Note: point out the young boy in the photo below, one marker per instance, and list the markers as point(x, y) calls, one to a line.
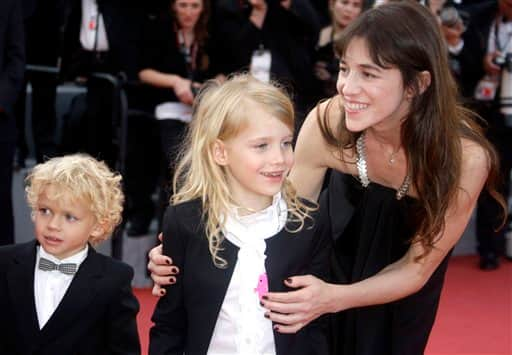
point(57, 295)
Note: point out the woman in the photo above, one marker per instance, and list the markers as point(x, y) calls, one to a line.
point(175, 62)
point(409, 165)
point(326, 65)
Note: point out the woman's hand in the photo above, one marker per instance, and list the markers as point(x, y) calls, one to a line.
point(286, 4)
point(258, 4)
point(183, 90)
point(161, 269)
point(295, 309)
point(490, 66)
point(258, 12)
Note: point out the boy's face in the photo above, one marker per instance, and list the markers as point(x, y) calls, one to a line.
point(63, 226)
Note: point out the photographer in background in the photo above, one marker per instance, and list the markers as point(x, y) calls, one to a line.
point(175, 60)
point(272, 39)
point(100, 36)
point(478, 72)
point(461, 52)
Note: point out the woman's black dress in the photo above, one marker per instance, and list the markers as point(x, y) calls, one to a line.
point(372, 229)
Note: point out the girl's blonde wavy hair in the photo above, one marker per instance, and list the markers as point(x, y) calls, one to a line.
point(83, 179)
point(221, 112)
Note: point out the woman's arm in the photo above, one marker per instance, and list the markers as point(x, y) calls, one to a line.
point(321, 248)
point(406, 276)
point(312, 154)
point(169, 332)
point(181, 86)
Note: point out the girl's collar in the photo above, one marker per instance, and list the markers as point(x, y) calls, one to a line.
point(235, 210)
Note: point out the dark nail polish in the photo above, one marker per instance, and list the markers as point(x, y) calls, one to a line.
point(264, 297)
point(168, 261)
point(267, 315)
point(288, 280)
point(261, 304)
point(172, 280)
point(276, 327)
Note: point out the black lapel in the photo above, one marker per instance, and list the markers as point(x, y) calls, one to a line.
point(20, 281)
point(274, 262)
point(78, 296)
point(216, 294)
point(277, 265)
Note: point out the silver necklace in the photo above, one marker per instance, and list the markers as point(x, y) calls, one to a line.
point(391, 159)
point(362, 168)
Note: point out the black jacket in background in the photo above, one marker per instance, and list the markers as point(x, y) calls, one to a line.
point(12, 62)
point(290, 36)
point(123, 20)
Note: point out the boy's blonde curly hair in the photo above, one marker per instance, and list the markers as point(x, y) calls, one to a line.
point(84, 179)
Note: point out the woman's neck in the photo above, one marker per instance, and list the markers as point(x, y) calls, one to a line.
point(188, 36)
point(337, 29)
point(386, 138)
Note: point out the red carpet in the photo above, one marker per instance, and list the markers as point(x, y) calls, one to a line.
point(474, 318)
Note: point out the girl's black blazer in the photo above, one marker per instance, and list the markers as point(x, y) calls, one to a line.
point(186, 316)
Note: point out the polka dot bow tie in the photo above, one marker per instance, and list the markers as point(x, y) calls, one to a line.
point(48, 265)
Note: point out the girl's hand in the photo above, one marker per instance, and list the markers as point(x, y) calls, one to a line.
point(161, 269)
point(295, 309)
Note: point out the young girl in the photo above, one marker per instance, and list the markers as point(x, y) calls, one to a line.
point(236, 228)
point(408, 166)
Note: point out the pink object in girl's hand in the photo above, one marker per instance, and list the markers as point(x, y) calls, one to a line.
point(262, 287)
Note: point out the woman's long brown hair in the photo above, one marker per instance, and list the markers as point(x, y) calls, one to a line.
point(406, 36)
point(200, 31)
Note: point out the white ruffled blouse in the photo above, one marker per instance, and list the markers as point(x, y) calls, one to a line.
point(241, 327)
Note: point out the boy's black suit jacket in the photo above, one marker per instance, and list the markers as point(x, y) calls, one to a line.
point(96, 316)
point(185, 318)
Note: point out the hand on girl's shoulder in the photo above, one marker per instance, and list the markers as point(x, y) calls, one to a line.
point(331, 106)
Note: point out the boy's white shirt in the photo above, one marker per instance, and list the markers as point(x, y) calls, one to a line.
point(241, 327)
point(50, 286)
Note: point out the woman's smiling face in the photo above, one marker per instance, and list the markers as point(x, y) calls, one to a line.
point(372, 95)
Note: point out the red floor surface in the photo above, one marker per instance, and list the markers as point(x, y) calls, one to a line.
point(474, 318)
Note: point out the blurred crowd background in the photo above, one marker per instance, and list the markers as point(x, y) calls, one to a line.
point(117, 79)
